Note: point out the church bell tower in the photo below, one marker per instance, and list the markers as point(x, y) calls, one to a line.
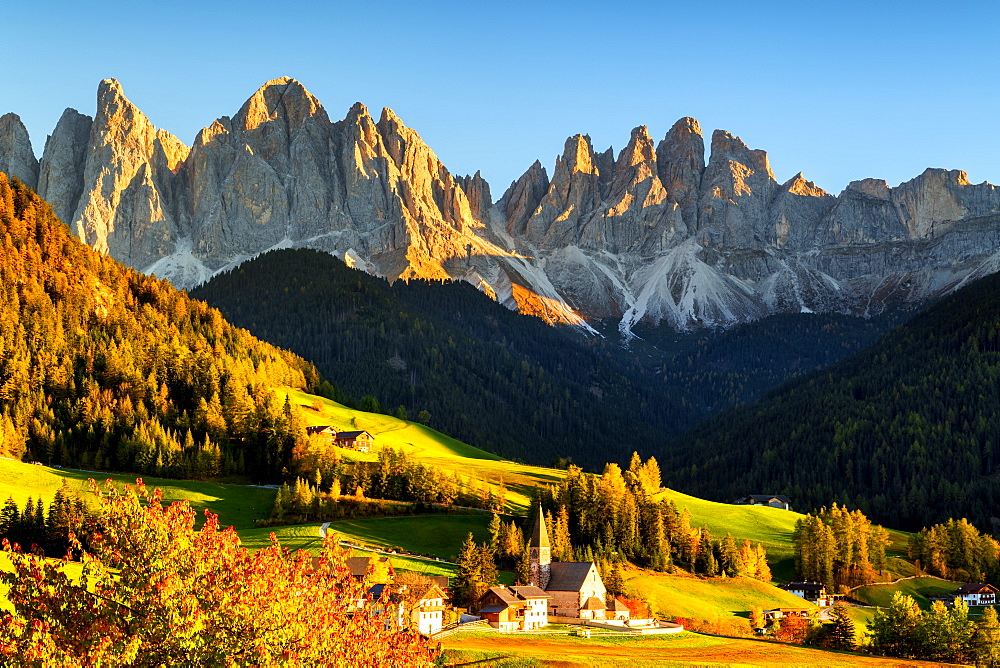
point(540, 554)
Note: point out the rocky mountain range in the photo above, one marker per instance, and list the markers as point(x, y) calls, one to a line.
point(655, 233)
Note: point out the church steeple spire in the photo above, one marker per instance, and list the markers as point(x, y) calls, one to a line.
point(540, 554)
point(539, 536)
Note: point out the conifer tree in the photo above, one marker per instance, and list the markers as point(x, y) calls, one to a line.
point(487, 575)
point(615, 582)
point(10, 517)
point(986, 639)
point(465, 586)
point(522, 573)
point(756, 618)
point(495, 529)
point(562, 549)
point(842, 634)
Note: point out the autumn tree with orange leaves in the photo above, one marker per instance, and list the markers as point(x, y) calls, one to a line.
point(156, 591)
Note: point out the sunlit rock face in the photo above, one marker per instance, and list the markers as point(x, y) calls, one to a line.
point(653, 232)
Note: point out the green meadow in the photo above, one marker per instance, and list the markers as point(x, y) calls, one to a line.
point(236, 505)
point(921, 589)
point(429, 446)
point(772, 527)
point(697, 598)
point(439, 535)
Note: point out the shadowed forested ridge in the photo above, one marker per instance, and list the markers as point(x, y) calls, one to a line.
point(507, 382)
point(491, 377)
point(103, 367)
point(907, 430)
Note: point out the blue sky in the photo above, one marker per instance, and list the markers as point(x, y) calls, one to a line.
point(840, 91)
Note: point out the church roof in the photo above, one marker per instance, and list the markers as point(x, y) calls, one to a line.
point(594, 603)
point(618, 605)
point(568, 575)
point(539, 537)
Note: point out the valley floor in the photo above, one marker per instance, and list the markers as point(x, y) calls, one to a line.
point(682, 649)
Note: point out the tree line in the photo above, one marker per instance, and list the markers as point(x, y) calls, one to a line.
point(306, 501)
point(956, 550)
point(395, 475)
point(616, 517)
point(909, 432)
point(943, 633)
point(840, 548)
point(35, 530)
point(102, 367)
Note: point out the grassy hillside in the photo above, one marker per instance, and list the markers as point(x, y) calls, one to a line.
point(430, 446)
point(434, 535)
point(697, 598)
point(921, 589)
point(238, 505)
point(441, 535)
point(306, 537)
point(771, 527)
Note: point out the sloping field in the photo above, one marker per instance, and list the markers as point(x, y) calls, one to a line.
point(683, 649)
point(921, 589)
point(772, 527)
point(435, 535)
point(306, 537)
point(430, 446)
point(719, 598)
point(237, 505)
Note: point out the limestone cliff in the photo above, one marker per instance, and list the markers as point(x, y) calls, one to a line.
point(656, 232)
point(16, 157)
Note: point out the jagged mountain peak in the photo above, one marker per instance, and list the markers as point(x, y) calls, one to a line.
point(728, 147)
point(872, 187)
point(109, 86)
point(357, 110)
point(664, 231)
point(282, 99)
point(798, 185)
point(685, 125)
point(640, 148)
point(389, 116)
point(16, 155)
point(578, 155)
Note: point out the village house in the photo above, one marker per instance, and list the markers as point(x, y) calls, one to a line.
point(977, 594)
point(782, 613)
point(814, 592)
point(514, 609)
point(355, 440)
point(377, 569)
point(420, 607)
point(426, 602)
point(770, 500)
point(322, 431)
point(575, 588)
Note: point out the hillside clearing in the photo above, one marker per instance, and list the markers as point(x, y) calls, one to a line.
point(429, 446)
point(236, 505)
point(921, 589)
point(708, 599)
